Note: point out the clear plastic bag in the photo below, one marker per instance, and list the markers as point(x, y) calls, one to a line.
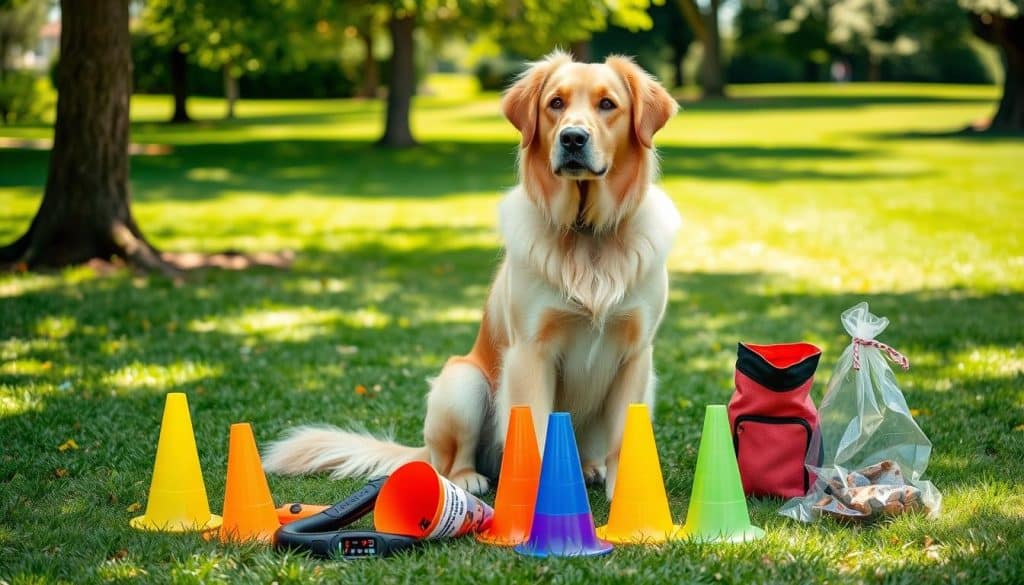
point(868, 455)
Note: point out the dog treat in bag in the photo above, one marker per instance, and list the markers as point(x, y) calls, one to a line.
point(868, 455)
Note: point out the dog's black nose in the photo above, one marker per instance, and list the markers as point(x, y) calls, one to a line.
point(573, 138)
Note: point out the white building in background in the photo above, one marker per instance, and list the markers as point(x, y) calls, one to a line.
point(42, 55)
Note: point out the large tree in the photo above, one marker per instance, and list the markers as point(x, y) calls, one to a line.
point(172, 25)
point(86, 207)
point(397, 131)
point(704, 23)
point(1001, 23)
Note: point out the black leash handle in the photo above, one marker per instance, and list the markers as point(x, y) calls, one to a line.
point(322, 536)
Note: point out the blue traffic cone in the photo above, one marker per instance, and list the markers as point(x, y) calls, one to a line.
point(562, 523)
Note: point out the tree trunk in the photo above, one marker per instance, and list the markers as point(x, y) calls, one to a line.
point(179, 85)
point(581, 50)
point(713, 78)
point(705, 27)
point(371, 76)
point(874, 68)
point(1010, 115)
point(678, 75)
point(397, 133)
point(1008, 35)
point(812, 71)
point(230, 91)
point(86, 207)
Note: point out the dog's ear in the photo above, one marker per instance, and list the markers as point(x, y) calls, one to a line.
point(652, 105)
point(521, 101)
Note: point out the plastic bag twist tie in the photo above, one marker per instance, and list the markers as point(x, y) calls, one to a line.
point(895, 356)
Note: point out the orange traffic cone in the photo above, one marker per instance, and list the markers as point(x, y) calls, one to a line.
point(177, 494)
point(517, 484)
point(249, 512)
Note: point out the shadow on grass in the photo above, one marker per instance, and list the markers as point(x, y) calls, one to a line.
point(436, 169)
point(963, 134)
point(831, 101)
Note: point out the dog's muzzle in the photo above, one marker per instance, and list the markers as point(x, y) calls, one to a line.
point(574, 157)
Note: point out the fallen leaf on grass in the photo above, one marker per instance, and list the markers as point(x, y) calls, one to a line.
point(118, 555)
point(60, 472)
point(70, 444)
point(1019, 428)
point(134, 507)
point(932, 549)
point(360, 389)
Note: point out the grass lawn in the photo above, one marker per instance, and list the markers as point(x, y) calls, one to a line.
point(798, 202)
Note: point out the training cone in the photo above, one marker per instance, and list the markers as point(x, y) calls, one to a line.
point(177, 496)
point(249, 512)
point(517, 484)
point(562, 523)
point(418, 501)
point(718, 509)
point(639, 511)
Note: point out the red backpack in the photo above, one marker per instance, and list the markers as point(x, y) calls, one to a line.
point(773, 417)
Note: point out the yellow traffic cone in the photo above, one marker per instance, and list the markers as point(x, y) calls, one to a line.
point(639, 513)
point(177, 495)
point(249, 512)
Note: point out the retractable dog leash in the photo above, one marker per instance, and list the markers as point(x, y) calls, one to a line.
point(322, 534)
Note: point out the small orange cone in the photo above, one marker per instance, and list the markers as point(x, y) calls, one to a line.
point(639, 513)
point(517, 484)
point(177, 494)
point(249, 512)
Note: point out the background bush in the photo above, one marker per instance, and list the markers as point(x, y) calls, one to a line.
point(25, 97)
point(316, 79)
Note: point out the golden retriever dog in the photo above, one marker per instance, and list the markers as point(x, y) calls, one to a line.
point(572, 312)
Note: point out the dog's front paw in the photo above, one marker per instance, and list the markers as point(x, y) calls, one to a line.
point(471, 481)
point(594, 473)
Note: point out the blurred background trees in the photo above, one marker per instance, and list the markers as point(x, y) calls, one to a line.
point(382, 48)
point(374, 49)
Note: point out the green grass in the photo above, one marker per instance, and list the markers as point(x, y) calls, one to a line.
point(798, 201)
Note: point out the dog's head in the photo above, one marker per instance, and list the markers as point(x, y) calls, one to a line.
point(586, 155)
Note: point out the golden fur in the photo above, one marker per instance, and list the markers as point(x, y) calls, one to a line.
point(571, 315)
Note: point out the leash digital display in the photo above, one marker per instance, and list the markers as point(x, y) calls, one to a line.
point(322, 534)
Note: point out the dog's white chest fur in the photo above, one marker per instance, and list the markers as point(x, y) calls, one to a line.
point(588, 303)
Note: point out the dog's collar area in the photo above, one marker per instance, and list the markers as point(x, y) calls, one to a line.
point(580, 225)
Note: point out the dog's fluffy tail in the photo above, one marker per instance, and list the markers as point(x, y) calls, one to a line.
point(344, 453)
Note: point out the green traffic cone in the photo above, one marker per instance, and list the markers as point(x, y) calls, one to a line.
point(718, 509)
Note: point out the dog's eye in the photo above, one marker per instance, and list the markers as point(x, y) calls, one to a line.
point(606, 104)
point(556, 103)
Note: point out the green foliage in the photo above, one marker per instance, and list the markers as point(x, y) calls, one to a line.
point(497, 73)
point(1006, 8)
point(238, 34)
point(25, 97)
point(953, 64)
point(19, 27)
point(908, 40)
point(533, 27)
point(668, 38)
point(763, 68)
point(313, 79)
